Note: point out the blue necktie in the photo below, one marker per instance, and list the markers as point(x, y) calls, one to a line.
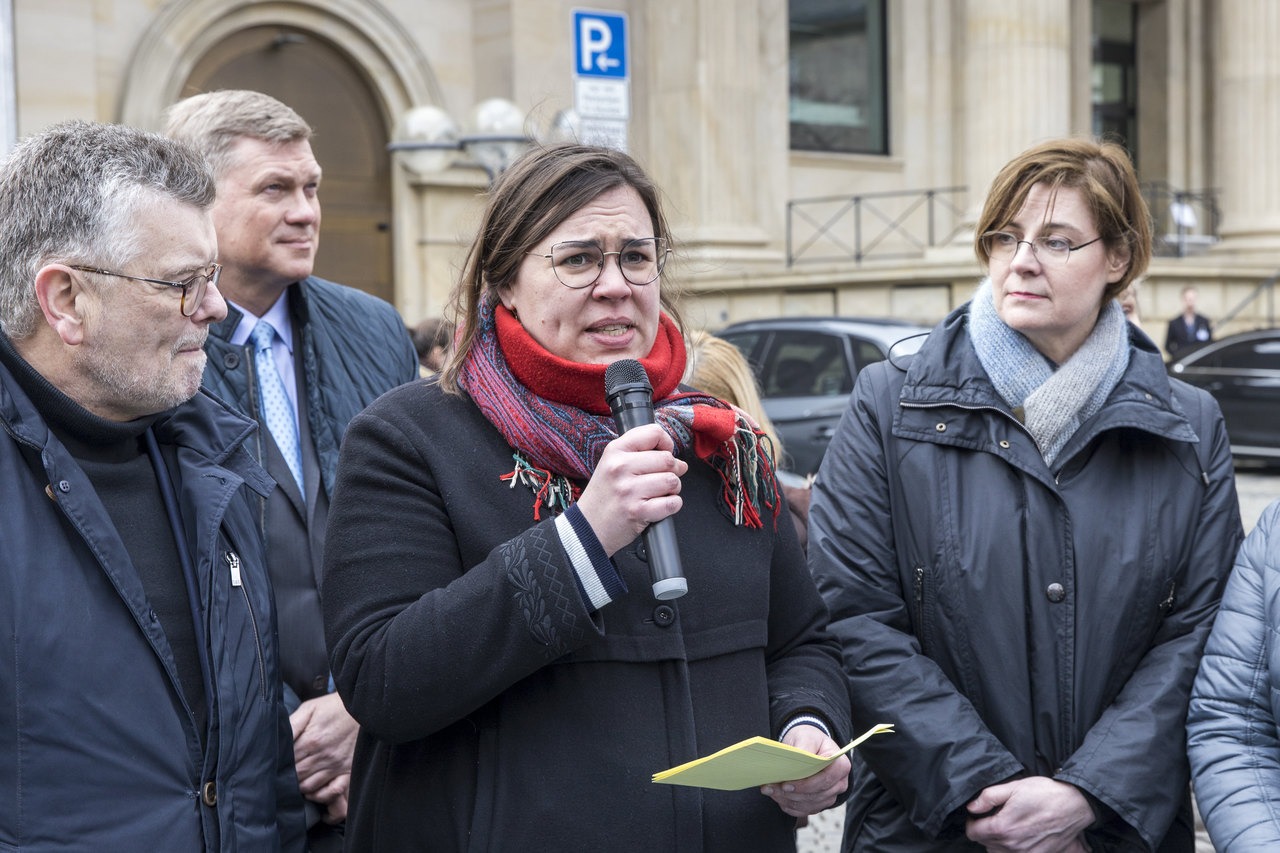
point(276, 408)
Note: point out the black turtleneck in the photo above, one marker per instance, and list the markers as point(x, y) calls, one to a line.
point(114, 457)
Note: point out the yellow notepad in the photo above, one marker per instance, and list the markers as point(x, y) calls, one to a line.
point(754, 762)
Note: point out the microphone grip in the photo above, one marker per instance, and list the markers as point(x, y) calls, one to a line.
point(630, 399)
point(664, 560)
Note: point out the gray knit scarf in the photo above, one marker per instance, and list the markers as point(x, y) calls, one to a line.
point(1055, 401)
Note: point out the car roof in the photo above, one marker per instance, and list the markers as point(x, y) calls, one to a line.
point(1218, 343)
point(885, 330)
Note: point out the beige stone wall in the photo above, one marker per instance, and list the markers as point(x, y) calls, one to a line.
point(970, 85)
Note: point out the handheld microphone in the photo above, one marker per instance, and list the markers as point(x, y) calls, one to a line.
point(630, 396)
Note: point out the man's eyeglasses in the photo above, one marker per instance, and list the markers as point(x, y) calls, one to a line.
point(578, 264)
point(193, 288)
point(1051, 251)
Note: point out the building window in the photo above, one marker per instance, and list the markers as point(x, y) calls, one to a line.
point(1115, 84)
point(838, 76)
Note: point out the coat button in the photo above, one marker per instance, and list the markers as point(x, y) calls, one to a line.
point(940, 427)
point(664, 615)
point(642, 553)
point(231, 360)
point(1055, 592)
point(320, 683)
point(209, 794)
point(64, 486)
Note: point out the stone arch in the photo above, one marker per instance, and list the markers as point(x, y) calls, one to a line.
point(183, 31)
point(360, 245)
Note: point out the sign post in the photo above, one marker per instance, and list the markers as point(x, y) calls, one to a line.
point(601, 77)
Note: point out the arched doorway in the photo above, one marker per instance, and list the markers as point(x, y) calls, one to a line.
point(312, 75)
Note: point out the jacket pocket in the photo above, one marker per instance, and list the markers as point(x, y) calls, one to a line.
point(237, 582)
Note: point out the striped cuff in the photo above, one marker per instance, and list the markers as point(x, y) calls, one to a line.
point(597, 576)
point(805, 720)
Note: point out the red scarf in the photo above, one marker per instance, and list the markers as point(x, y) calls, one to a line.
point(553, 412)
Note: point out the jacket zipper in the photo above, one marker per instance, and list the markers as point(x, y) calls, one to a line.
point(919, 595)
point(237, 580)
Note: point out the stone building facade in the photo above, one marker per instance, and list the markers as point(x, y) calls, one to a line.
point(962, 86)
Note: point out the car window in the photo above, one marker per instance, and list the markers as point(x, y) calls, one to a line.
point(1250, 355)
point(865, 352)
point(807, 364)
point(748, 343)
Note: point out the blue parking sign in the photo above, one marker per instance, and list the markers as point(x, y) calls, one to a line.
point(600, 44)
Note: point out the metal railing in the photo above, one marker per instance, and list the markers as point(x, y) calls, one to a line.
point(898, 225)
point(886, 225)
point(1265, 289)
point(1183, 222)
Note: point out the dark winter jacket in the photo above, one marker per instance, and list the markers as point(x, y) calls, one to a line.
point(98, 749)
point(346, 335)
point(496, 711)
point(1015, 619)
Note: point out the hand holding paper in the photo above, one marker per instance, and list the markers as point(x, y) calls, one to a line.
point(800, 798)
point(754, 762)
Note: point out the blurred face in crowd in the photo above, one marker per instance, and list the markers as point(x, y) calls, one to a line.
point(602, 322)
point(1054, 301)
point(267, 216)
point(138, 354)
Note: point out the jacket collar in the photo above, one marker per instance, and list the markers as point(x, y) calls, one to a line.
point(946, 372)
point(299, 310)
point(204, 424)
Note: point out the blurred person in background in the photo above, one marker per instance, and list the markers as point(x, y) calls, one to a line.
point(302, 356)
point(1128, 300)
point(487, 594)
point(142, 705)
point(1023, 533)
point(432, 338)
point(1189, 329)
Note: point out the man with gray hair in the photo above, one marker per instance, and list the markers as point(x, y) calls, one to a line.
point(140, 705)
point(303, 356)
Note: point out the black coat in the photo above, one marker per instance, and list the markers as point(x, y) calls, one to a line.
point(1016, 619)
point(497, 712)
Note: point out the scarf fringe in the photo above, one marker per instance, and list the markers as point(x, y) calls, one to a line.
point(554, 491)
point(748, 481)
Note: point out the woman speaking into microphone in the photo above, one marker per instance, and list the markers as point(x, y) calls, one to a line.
point(488, 603)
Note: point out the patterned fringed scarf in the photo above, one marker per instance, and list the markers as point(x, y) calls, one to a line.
point(554, 415)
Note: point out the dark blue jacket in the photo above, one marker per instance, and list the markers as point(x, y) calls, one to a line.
point(98, 749)
point(346, 334)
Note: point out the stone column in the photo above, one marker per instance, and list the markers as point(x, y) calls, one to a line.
point(708, 102)
point(1246, 121)
point(1018, 81)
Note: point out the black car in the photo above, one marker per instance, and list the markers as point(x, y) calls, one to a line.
point(1242, 372)
point(806, 366)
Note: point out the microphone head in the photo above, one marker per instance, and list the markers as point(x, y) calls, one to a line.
point(625, 374)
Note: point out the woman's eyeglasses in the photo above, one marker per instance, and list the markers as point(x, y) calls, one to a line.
point(578, 264)
point(1055, 251)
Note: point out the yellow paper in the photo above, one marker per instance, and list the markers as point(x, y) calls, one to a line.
point(754, 762)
